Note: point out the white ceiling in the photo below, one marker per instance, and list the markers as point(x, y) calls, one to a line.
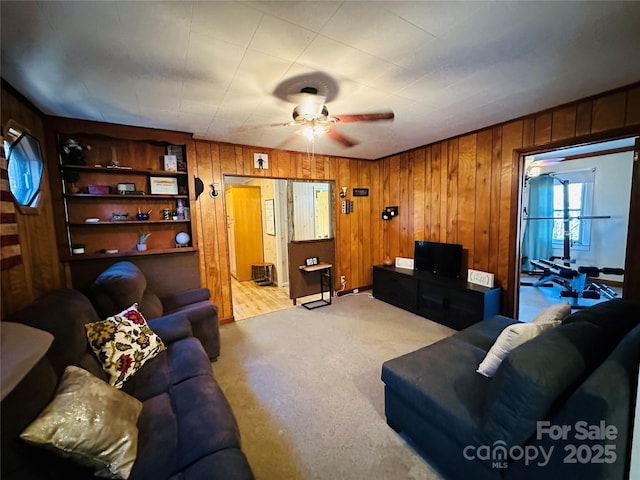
point(444, 68)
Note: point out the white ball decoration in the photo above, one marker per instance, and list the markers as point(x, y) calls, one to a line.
point(182, 238)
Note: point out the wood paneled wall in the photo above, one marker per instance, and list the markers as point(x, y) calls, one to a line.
point(357, 248)
point(460, 190)
point(463, 190)
point(40, 270)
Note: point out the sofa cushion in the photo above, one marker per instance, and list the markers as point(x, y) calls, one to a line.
point(510, 338)
point(438, 381)
point(179, 427)
point(117, 287)
point(616, 317)
point(593, 402)
point(89, 422)
point(525, 387)
point(180, 361)
point(483, 334)
point(123, 344)
point(51, 313)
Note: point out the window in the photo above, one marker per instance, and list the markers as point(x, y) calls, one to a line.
point(24, 166)
point(578, 187)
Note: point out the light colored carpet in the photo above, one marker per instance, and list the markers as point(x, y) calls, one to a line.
point(305, 388)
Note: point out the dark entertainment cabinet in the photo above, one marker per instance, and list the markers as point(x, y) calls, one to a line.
point(452, 302)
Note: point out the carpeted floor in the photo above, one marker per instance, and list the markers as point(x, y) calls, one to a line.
point(305, 388)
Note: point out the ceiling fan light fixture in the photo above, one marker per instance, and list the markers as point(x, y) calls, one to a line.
point(310, 132)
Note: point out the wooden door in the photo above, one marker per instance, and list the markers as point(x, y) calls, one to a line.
point(244, 219)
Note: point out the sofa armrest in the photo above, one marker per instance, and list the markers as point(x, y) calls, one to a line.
point(171, 327)
point(175, 301)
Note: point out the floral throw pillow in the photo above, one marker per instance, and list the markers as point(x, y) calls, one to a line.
point(123, 343)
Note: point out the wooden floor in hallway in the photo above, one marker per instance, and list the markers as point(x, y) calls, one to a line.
point(250, 299)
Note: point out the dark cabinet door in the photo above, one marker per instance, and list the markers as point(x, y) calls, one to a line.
point(395, 288)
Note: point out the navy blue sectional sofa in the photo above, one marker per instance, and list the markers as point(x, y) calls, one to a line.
point(186, 428)
point(560, 406)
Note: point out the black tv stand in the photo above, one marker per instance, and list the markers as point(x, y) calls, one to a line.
point(452, 302)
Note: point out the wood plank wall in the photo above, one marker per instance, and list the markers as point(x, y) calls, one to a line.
point(465, 189)
point(462, 189)
point(40, 270)
point(359, 247)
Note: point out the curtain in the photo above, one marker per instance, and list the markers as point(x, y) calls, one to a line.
point(536, 242)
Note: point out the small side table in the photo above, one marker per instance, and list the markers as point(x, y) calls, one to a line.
point(262, 274)
point(325, 275)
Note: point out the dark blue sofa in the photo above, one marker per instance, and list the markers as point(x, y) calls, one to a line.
point(559, 407)
point(186, 430)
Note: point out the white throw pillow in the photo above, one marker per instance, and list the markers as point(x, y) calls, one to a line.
point(553, 314)
point(510, 338)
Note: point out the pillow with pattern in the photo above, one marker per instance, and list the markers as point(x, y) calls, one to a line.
point(123, 343)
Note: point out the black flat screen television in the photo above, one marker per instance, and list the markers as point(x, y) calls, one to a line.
point(444, 259)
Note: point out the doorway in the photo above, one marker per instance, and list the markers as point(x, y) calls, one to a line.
point(574, 225)
point(281, 211)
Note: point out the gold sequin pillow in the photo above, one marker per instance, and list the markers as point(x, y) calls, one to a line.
point(123, 344)
point(90, 422)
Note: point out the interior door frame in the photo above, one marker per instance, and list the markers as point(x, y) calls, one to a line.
point(631, 284)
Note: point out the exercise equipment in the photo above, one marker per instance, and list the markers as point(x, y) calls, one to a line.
point(575, 283)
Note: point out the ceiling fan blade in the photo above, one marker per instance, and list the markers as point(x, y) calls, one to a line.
point(364, 117)
point(334, 134)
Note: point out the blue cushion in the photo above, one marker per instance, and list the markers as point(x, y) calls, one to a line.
point(525, 387)
point(439, 381)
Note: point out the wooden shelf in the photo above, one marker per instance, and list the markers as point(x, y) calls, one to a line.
point(120, 170)
point(140, 161)
point(129, 253)
point(123, 197)
point(126, 222)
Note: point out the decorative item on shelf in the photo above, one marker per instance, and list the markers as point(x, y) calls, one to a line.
point(177, 151)
point(77, 248)
point(71, 178)
point(163, 185)
point(125, 188)
point(166, 214)
point(142, 245)
point(142, 216)
point(73, 153)
point(387, 261)
point(182, 240)
point(180, 209)
point(119, 217)
point(91, 220)
point(183, 188)
point(170, 163)
point(98, 189)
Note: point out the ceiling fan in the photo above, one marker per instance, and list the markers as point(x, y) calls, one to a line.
point(311, 118)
